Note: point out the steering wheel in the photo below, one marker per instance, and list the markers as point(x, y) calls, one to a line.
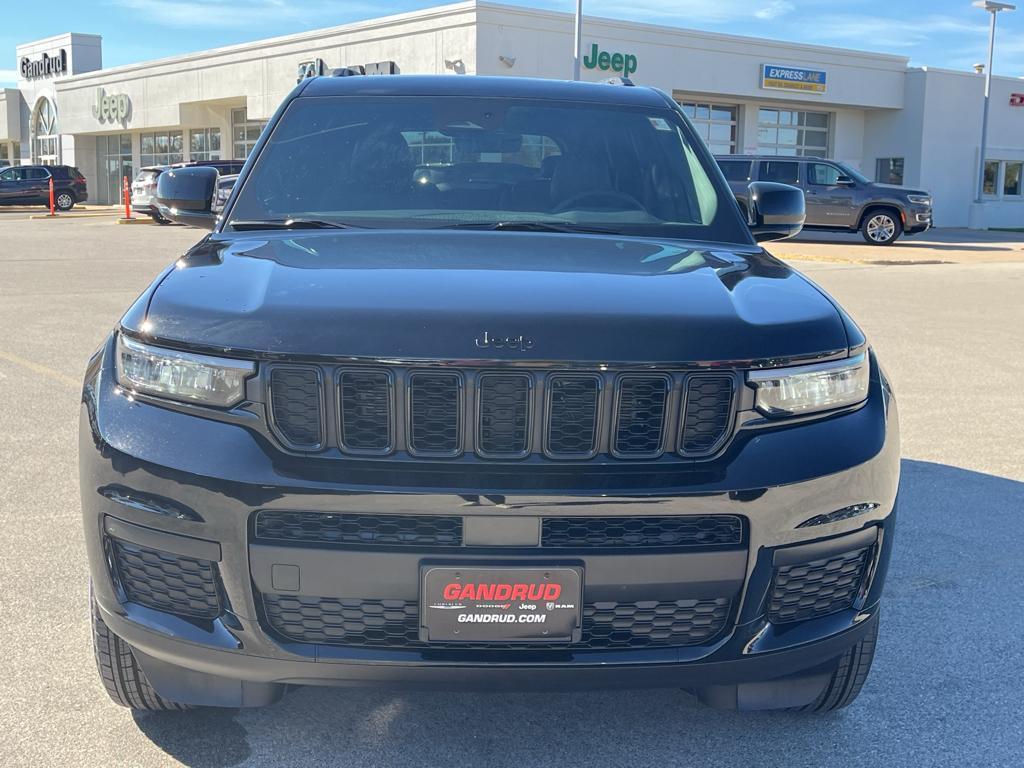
point(600, 199)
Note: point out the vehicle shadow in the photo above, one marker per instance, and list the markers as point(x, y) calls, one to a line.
point(945, 689)
point(911, 242)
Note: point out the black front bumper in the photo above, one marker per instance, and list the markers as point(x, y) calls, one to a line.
point(198, 504)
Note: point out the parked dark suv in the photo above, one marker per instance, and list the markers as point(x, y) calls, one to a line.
point(838, 197)
point(30, 185)
point(484, 382)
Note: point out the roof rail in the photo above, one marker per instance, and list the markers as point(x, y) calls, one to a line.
point(350, 71)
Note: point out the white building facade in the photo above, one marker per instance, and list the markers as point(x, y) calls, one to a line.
point(917, 127)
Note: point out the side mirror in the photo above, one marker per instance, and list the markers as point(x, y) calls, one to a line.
point(185, 195)
point(844, 181)
point(776, 211)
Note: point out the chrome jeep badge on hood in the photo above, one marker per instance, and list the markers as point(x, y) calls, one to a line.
point(520, 343)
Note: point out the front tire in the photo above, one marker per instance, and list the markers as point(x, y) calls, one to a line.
point(850, 674)
point(121, 674)
point(881, 227)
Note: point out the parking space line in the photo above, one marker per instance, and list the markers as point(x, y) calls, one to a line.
point(40, 369)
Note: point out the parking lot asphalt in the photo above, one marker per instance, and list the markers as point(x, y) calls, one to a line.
point(947, 688)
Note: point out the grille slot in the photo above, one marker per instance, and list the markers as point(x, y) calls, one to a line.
point(642, 532)
point(435, 414)
point(816, 588)
point(296, 406)
point(365, 410)
point(503, 414)
point(707, 414)
point(572, 416)
point(640, 416)
point(419, 531)
point(166, 582)
point(361, 623)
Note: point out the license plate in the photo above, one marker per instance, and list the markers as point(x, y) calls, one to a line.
point(501, 605)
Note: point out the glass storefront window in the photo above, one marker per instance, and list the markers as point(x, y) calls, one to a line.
point(204, 144)
point(163, 148)
point(244, 133)
point(889, 170)
point(715, 123)
point(792, 132)
point(988, 187)
point(1012, 181)
point(4, 158)
point(114, 162)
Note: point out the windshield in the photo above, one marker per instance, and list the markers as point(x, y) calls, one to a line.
point(853, 173)
point(451, 161)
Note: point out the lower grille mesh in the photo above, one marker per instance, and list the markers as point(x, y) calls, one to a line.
point(816, 588)
point(642, 532)
point(166, 582)
point(378, 530)
point(395, 623)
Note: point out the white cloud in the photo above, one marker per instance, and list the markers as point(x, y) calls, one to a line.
point(774, 9)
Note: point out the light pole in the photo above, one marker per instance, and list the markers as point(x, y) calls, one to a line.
point(993, 8)
point(577, 41)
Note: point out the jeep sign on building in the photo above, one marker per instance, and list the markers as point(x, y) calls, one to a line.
point(744, 95)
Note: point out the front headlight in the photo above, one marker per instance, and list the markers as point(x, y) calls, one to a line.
point(811, 388)
point(181, 375)
point(920, 199)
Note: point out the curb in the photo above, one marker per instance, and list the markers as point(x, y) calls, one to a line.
point(81, 215)
point(134, 220)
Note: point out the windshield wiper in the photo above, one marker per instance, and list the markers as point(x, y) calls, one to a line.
point(530, 226)
point(290, 224)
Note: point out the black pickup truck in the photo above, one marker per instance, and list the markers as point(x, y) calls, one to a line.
point(485, 382)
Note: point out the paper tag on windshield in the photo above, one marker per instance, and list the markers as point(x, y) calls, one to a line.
point(660, 124)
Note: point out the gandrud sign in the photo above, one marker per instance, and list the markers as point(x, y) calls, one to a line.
point(45, 65)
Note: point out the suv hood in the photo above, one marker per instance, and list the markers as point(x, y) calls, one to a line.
point(433, 294)
point(898, 188)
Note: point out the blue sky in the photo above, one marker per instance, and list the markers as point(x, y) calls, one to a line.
point(941, 33)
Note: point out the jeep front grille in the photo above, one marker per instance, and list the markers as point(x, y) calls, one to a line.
point(502, 414)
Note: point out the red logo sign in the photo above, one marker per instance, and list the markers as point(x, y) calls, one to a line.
point(1017, 99)
point(535, 592)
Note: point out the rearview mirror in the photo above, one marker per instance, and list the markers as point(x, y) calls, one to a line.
point(775, 211)
point(185, 195)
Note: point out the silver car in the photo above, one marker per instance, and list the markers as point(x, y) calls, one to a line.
point(144, 190)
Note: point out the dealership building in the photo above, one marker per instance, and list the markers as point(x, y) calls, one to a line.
point(919, 127)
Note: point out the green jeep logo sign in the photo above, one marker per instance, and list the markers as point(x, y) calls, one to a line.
point(624, 63)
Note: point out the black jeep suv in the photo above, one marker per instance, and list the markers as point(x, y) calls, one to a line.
point(485, 382)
